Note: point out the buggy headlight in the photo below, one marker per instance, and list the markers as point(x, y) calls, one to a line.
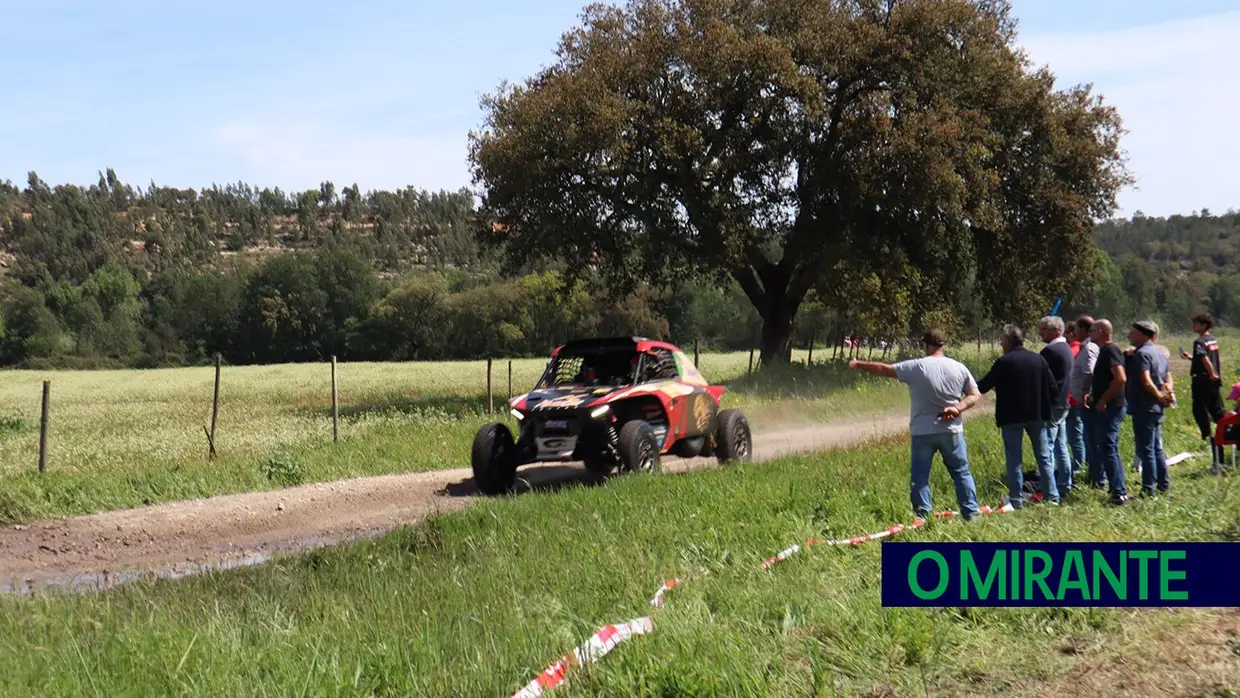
point(598, 412)
point(517, 414)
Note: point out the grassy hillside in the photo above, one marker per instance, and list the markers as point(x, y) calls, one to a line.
point(476, 603)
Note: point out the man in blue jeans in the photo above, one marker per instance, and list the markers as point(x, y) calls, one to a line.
point(1107, 407)
point(1026, 391)
point(1058, 356)
point(1146, 397)
point(940, 390)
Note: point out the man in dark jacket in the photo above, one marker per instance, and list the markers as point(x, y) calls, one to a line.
point(1025, 393)
point(1058, 355)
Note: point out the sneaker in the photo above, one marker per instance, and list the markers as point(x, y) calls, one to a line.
point(1118, 501)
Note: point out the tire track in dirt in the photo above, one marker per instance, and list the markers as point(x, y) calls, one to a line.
point(180, 538)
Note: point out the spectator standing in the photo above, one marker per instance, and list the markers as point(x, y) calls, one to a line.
point(940, 390)
point(1082, 376)
point(1025, 393)
point(1107, 407)
point(1168, 390)
point(1058, 356)
point(1206, 380)
point(1147, 399)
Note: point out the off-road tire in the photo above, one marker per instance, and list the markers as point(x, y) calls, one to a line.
point(492, 459)
point(733, 439)
point(639, 449)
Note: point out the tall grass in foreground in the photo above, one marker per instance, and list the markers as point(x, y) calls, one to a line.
point(477, 602)
point(128, 438)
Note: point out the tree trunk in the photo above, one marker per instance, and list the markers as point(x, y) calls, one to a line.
point(777, 334)
point(776, 297)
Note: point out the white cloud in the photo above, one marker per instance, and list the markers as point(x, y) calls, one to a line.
point(299, 156)
point(1176, 87)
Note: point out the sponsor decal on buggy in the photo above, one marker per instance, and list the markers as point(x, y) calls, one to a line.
point(701, 412)
point(565, 401)
point(688, 372)
point(552, 447)
point(674, 389)
point(556, 424)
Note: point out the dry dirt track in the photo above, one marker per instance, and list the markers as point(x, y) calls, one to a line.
point(182, 537)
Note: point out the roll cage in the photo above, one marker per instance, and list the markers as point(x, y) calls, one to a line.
point(613, 363)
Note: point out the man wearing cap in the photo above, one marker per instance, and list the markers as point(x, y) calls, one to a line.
point(940, 391)
point(1147, 375)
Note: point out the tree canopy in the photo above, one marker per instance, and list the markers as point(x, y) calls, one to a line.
point(896, 147)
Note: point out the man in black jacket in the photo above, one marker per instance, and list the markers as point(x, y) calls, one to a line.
point(1058, 356)
point(1025, 393)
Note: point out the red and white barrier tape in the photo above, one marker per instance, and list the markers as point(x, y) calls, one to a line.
point(894, 530)
point(667, 586)
point(609, 636)
point(599, 644)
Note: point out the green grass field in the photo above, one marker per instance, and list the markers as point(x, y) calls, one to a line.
point(121, 439)
point(476, 603)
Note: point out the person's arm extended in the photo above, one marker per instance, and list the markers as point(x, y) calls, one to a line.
point(874, 368)
point(987, 383)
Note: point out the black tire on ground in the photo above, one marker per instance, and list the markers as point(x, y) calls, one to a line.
point(492, 459)
point(639, 449)
point(734, 441)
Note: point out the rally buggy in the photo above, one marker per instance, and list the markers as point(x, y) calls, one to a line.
point(613, 404)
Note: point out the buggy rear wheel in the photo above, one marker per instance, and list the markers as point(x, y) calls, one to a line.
point(734, 441)
point(493, 459)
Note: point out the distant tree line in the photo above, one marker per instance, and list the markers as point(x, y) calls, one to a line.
point(111, 275)
point(1169, 268)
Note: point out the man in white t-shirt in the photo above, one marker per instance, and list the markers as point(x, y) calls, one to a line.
point(940, 391)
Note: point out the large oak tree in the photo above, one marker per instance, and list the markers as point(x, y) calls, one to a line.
point(795, 145)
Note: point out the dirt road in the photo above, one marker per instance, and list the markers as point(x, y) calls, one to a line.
point(180, 538)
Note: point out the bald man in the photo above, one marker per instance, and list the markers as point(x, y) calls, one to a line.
point(1108, 406)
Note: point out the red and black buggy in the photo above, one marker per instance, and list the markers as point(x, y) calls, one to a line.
point(614, 404)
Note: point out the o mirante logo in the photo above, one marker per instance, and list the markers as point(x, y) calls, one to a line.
point(1061, 574)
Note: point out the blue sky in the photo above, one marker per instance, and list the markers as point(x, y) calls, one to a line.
point(383, 92)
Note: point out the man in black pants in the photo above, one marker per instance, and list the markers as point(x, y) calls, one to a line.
point(1206, 375)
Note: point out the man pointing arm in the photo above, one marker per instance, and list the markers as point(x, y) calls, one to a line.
point(940, 390)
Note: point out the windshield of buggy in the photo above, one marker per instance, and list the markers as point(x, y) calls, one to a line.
point(609, 368)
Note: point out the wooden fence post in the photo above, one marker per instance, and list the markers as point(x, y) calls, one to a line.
point(696, 355)
point(47, 394)
point(490, 393)
point(751, 359)
point(215, 410)
point(335, 405)
point(809, 361)
point(509, 379)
